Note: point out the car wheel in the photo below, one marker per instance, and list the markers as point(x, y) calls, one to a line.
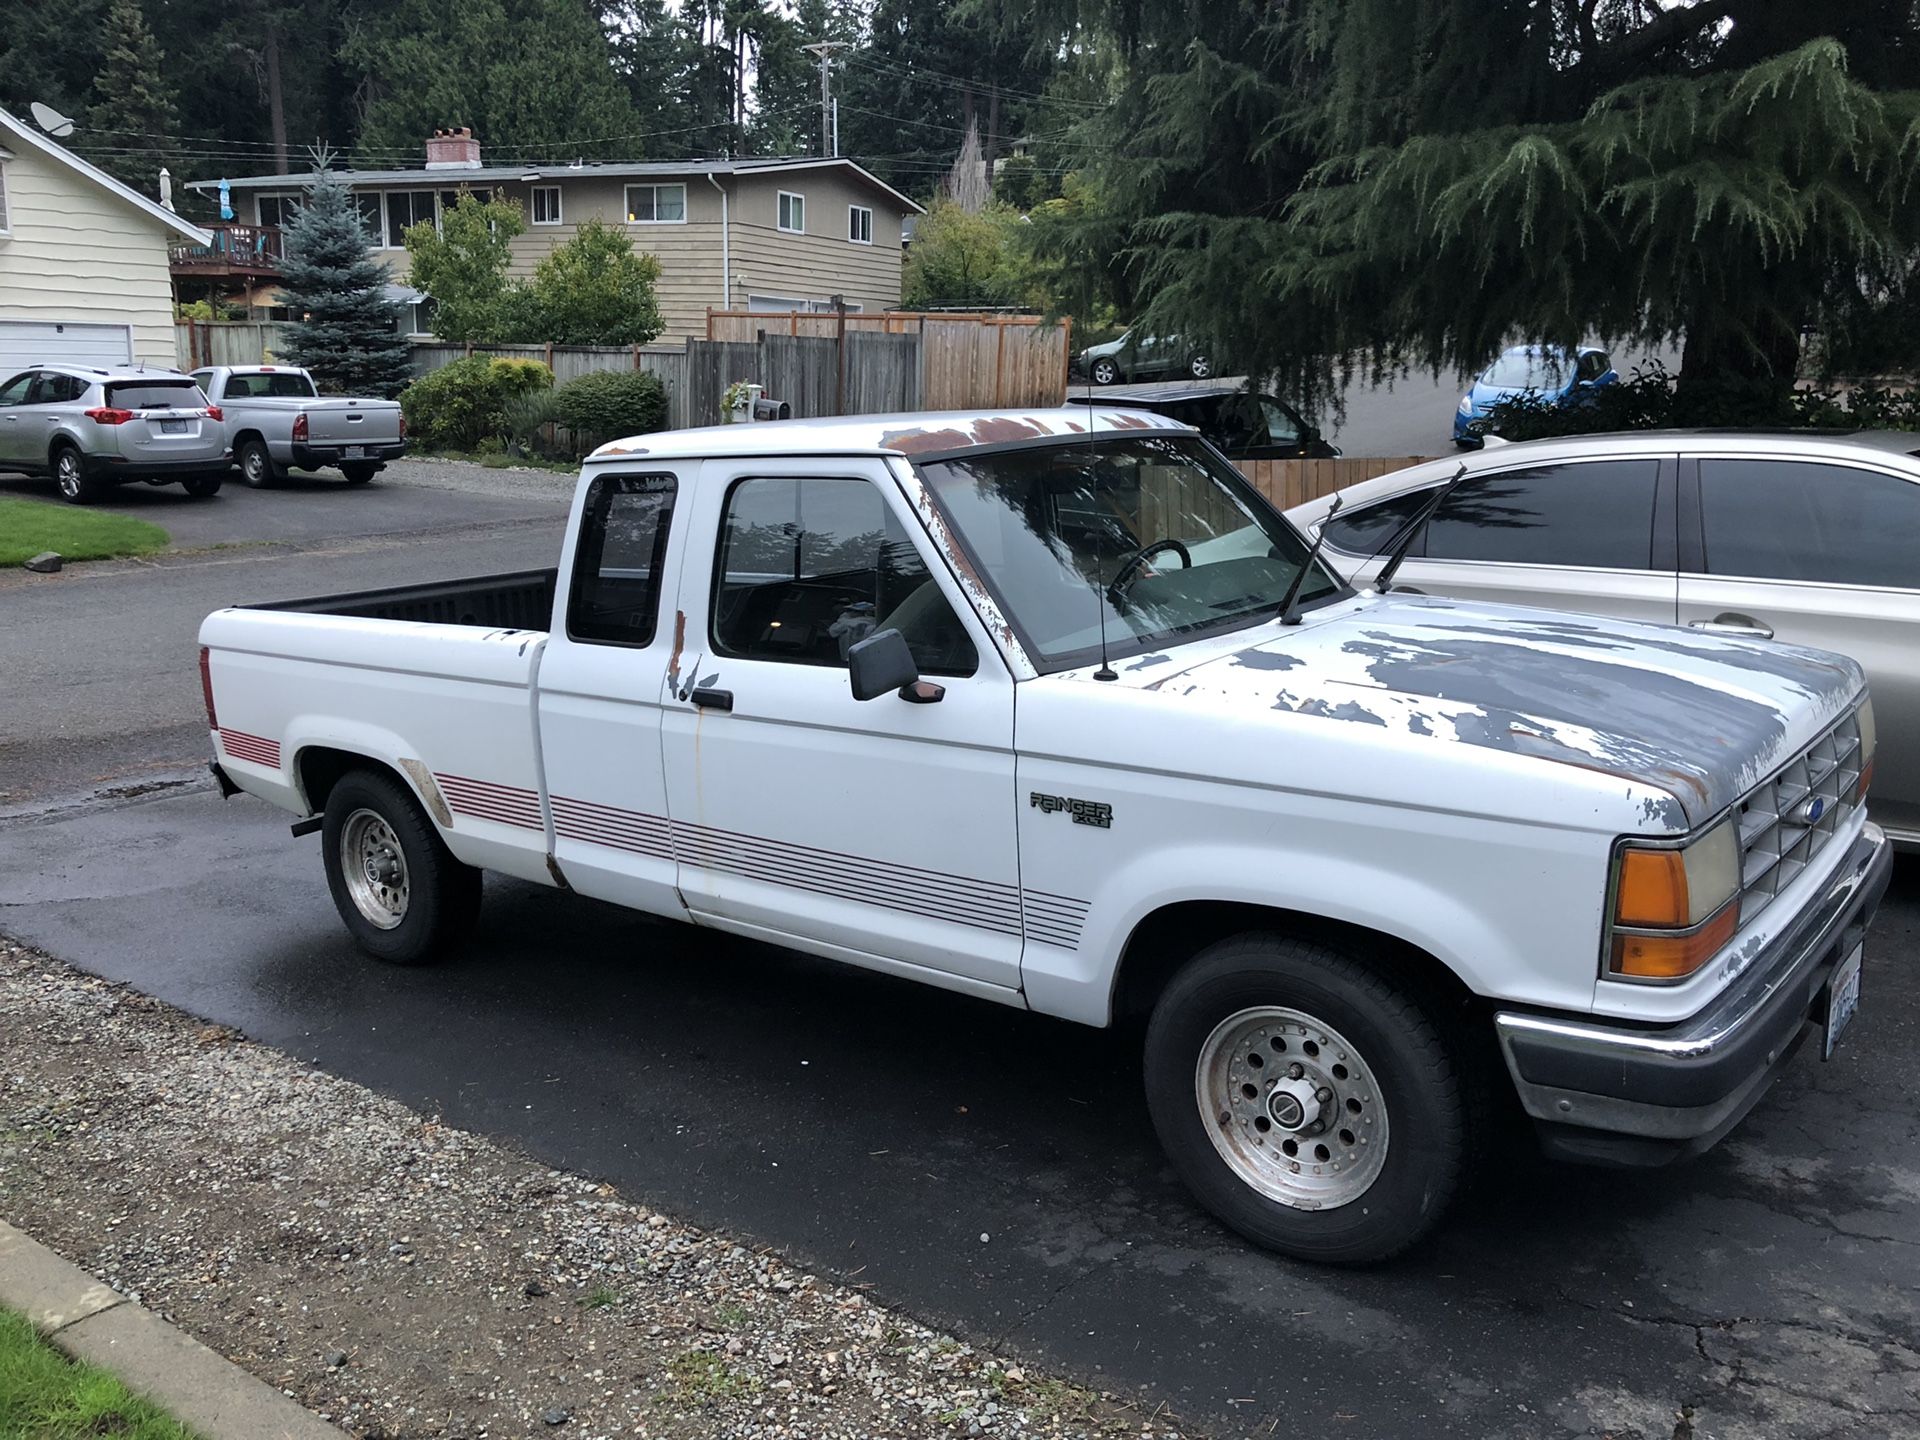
point(256, 464)
point(1308, 1102)
point(202, 487)
point(404, 897)
point(1105, 372)
point(70, 477)
point(1200, 367)
point(359, 474)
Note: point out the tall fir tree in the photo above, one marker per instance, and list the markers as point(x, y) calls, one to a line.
point(132, 124)
point(347, 334)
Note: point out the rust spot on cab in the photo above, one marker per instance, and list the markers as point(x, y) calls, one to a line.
point(679, 643)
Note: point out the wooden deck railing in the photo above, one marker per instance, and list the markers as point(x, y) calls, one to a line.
point(235, 247)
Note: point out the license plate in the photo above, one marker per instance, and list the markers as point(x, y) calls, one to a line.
point(1843, 999)
point(354, 452)
point(173, 427)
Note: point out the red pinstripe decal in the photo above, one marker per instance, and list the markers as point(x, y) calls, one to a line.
point(254, 749)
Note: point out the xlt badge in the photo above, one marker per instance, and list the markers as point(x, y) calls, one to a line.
point(1085, 812)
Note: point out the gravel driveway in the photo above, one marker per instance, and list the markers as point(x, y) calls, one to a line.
point(406, 1279)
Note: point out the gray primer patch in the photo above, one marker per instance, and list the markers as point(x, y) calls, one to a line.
point(1314, 705)
point(1267, 660)
point(1145, 660)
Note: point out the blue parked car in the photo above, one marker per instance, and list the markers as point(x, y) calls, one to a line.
point(1558, 376)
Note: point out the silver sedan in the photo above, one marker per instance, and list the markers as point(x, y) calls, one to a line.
point(1810, 539)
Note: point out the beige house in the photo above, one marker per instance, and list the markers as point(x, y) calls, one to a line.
point(739, 234)
point(83, 260)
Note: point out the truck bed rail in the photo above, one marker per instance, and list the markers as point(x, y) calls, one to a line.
point(519, 601)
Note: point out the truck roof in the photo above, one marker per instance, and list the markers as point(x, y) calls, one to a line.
point(920, 433)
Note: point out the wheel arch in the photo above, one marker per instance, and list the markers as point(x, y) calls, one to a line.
point(317, 768)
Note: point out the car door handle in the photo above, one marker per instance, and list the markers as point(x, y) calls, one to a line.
point(1731, 624)
point(713, 699)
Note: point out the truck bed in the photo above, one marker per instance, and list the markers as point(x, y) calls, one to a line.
point(522, 600)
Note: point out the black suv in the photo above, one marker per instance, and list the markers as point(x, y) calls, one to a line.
point(1244, 424)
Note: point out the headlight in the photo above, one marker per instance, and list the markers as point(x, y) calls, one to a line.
point(1869, 738)
point(1466, 403)
point(1674, 907)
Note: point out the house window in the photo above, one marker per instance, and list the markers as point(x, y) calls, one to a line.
point(793, 212)
point(276, 211)
point(785, 304)
point(451, 198)
point(656, 204)
point(6, 222)
point(546, 204)
point(859, 224)
point(372, 217)
point(404, 208)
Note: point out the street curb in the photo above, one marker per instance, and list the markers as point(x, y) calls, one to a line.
point(203, 1391)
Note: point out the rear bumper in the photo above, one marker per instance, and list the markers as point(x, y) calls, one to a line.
point(134, 467)
point(321, 457)
point(1627, 1095)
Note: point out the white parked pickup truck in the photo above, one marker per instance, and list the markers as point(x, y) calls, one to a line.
point(1020, 705)
point(277, 418)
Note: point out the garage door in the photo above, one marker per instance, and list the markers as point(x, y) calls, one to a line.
point(34, 342)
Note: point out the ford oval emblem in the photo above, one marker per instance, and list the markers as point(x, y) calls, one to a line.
point(1809, 811)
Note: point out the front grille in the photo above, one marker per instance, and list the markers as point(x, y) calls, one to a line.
point(1779, 838)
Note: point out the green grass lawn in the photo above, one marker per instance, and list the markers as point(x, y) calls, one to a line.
point(45, 1396)
point(29, 526)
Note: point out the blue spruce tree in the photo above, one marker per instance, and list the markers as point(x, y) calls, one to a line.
point(346, 335)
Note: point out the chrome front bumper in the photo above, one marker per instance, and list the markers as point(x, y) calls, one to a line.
point(1614, 1093)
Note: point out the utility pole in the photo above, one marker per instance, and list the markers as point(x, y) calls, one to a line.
point(829, 136)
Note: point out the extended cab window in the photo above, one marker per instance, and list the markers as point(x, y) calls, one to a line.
point(278, 384)
point(615, 599)
point(1791, 520)
point(807, 567)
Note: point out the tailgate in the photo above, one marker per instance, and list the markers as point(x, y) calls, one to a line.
point(354, 422)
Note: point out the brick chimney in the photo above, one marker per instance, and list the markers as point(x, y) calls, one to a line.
point(453, 150)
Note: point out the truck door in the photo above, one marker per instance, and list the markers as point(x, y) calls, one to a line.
point(601, 682)
point(878, 831)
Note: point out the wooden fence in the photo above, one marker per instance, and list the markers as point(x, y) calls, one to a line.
point(1294, 482)
point(226, 342)
point(569, 362)
point(965, 361)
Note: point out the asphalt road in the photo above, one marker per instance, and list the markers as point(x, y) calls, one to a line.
point(877, 1130)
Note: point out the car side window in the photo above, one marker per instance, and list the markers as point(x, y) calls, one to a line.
point(809, 566)
point(46, 389)
point(618, 565)
point(1598, 513)
point(1365, 528)
point(1799, 520)
point(1283, 426)
point(14, 392)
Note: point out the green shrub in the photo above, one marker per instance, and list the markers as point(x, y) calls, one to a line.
point(608, 404)
point(458, 405)
point(527, 416)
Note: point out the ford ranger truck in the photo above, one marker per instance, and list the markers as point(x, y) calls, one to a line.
point(1007, 703)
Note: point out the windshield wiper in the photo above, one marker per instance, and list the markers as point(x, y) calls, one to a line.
point(1290, 606)
point(1403, 539)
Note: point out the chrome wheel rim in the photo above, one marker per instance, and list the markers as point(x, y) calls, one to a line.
point(67, 472)
point(375, 868)
point(1202, 368)
point(1292, 1107)
point(1106, 374)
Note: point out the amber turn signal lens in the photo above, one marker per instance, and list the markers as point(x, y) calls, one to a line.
point(1653, 889)
point(1866, 779)
point(1673, 957)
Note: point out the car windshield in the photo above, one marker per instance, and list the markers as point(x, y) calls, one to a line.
point(1154, 535)
point(1526, 370)
point(157, 395)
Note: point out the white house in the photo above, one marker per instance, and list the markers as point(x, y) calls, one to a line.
point(83, 259)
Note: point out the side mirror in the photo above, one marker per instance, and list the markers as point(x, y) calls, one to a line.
point(880, 665)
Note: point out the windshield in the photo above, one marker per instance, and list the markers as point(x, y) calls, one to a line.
point(1155, 534)
point(1527, 370)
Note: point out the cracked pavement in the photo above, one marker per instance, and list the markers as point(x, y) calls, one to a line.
point(875, 1130)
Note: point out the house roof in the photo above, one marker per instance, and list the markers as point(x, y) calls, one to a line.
point(608, 169)
point(14, 126)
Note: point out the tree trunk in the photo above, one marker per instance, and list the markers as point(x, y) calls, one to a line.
point(276, 103)
point(1736, 368)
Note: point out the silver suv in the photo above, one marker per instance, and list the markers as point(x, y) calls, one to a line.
point(90, 429)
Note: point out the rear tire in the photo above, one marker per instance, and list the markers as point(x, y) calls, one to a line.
point(1307, 1101)
point(404, 897)
point(202, 487)
point(1105, 372)
point(1200, 367)
point(70, 477)
point(256, 464)
point(359, 474)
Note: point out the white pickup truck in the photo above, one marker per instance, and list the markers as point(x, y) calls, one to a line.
point(1008, 703)
point(277, 419)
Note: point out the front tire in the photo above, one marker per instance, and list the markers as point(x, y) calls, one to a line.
point(357, 473)
point(1200, 367)
point(1308, 1102)
point(1105, 372)
point(404, 897)
point(70, 477)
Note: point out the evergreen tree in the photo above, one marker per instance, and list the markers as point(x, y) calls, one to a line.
point(347, 333)
point(652, 57)
point(49, 53)
point(132, 107)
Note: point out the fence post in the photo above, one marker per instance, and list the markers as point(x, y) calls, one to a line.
point(839, 354)
point(999, 361)
point(549, 357)
point(636, 357)
point(709, 322)
point(1066, 358)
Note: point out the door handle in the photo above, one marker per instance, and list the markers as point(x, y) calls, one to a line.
point(713, 699)
point(1744, 626)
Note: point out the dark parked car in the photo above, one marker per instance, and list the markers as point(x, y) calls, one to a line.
point(1135, 356)
point(1244, 424)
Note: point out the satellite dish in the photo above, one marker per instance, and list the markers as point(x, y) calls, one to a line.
point(51, 120)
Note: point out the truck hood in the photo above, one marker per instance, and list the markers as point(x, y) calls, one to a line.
point(1701, 717)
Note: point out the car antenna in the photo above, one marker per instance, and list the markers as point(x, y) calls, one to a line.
point(1105, 672)
point(1403, 538)
point(1290, 605)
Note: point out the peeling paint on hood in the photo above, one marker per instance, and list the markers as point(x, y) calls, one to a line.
point(1702, 718)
